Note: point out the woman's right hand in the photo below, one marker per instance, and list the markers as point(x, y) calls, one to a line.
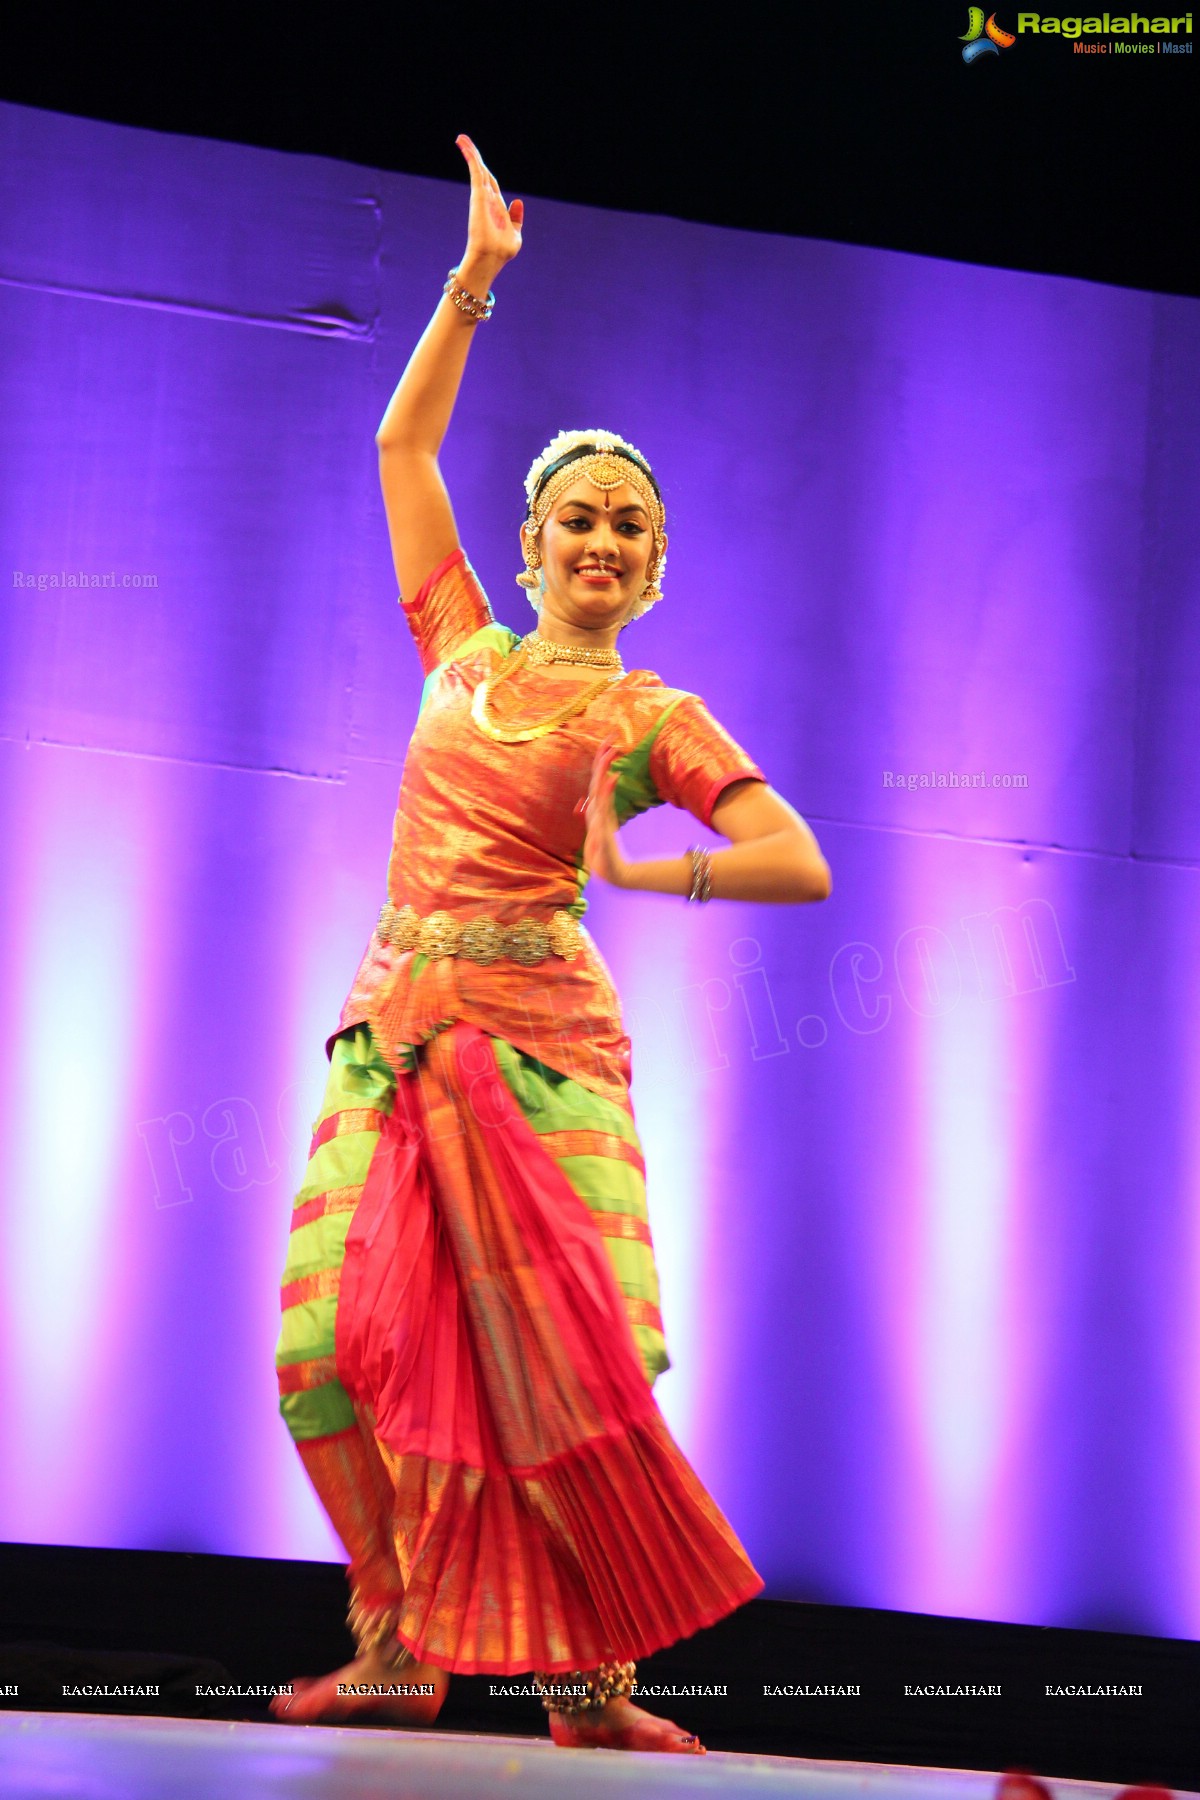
point(420, 519)
point(493, 229)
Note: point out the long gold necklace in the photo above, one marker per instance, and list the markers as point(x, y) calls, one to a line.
point(523, 734)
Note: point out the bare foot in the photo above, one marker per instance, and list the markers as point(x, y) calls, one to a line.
point(384, 1693)
point(621, 1726)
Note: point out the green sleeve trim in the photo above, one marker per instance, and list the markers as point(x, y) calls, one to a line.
point(635, 792)
point(489, 637)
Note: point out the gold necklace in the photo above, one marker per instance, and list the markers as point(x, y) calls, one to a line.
point(523, 734)
point(545, 650)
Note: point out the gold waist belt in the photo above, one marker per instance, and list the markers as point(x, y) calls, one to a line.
point(481, 940)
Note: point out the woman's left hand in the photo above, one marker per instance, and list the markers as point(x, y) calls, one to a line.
point(601, 854)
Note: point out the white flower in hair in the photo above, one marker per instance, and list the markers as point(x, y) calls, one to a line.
point(565, 442)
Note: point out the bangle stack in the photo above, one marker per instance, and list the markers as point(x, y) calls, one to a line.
point(468, 304)
point(701, 888)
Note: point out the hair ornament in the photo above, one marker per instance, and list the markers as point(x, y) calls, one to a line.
point(566, 442)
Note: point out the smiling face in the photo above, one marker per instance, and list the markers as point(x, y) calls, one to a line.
point(596, 548)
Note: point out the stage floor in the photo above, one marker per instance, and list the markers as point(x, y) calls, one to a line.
point(94, 1756)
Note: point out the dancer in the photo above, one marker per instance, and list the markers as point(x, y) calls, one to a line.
point(471, 1324)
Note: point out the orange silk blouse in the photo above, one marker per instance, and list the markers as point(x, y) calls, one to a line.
point(488, 828)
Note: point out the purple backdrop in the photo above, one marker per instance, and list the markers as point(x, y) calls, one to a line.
point(923, 1161)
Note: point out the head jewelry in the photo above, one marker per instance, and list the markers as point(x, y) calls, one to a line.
point(607, 462)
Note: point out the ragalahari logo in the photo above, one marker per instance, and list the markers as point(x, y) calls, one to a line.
point(983, 38)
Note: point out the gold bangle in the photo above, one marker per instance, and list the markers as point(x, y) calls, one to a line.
point(701, 888)
point(468, 304)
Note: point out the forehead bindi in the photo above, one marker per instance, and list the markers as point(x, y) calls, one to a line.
point(583, 497)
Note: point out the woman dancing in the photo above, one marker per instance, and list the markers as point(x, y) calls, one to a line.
point(470, 1304)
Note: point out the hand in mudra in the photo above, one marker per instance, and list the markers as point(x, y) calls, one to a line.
point(601, 852)
point(493, 229)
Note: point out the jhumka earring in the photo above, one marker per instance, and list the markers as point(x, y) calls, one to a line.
point(652, 592)
point(529, 577)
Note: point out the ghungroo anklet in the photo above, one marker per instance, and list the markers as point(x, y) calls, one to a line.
point(581, 1692)
point(373, 1629)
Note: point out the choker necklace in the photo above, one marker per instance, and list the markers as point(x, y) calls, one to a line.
point(539, 650)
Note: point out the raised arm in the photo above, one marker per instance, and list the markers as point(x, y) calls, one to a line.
point(420, 521)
